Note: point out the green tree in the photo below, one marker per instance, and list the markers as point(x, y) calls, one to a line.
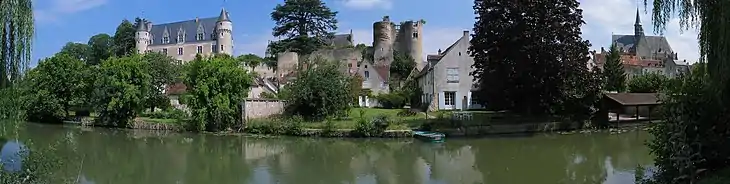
point(54, 87)
point(251, 60)
point(124, 42)
point(402, 66)
point(164, 71)
point(121, 88)
point(536, 74)
point(613, 69)
point(304, 24)
point(101, 48)
point(217, 86)
point(648, 83)
point(320, 91)
point(79, 51)
point(16, 39)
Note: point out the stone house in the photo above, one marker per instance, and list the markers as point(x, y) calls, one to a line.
point(446, 81)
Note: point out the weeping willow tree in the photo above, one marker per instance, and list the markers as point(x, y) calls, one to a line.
point(693, 142)
point(16, 38)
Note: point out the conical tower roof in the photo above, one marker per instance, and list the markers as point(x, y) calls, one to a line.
point(223, 16)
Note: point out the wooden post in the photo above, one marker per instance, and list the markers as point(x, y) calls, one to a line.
point(637, 112)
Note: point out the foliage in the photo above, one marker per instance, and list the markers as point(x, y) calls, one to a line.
point(304, 24)
point(54, 87)
point(169, 113)
point(613, 69)
point(392, 100)
point(692, 136)
point(402, 66)
point(16, 39)
point(121, 89)
point(407, 113)
point(268, 95)
point(251, 60)
point(534, 74)
point(371, 128)
point(124, 41)
point(101, 48)
point(356, 88)
point(164, 71)
point(276, 126)
point(78, 51)
point(217, 86)
point(319, 92)
point(11, 107)
point(647, 83)
point(39, 165)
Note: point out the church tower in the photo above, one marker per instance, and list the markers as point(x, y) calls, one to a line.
point(142, 37)
point(638, 30)
point(224, 28)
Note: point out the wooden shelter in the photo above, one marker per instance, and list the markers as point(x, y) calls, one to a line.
point(639, 105)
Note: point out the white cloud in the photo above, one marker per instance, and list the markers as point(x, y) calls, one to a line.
point(606, 17)
point(59, 8)
point(367, 4)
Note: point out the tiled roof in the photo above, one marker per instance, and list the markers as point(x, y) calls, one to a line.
point(627, 99)
point(600, 58)
point(175, 89)
point(383, 71)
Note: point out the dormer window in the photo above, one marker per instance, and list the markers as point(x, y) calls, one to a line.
point(200, 33)
point(180, 37)
point(165, 37)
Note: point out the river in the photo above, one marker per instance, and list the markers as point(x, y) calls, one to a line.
point(102, 156)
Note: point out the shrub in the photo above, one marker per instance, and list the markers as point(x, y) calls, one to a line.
point(371, 128)
point(329, 127)
point(318, 92)
point(54, 87)
point(647, 83)
point(217, 85)
point(276, 126)
point(407, 113)
point(391, 100)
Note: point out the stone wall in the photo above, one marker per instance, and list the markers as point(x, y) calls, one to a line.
point(261, 108)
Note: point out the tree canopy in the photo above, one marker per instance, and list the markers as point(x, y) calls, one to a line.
point(56, 85)
point(124, 42)
point(320, 91)
point(121, 89)
point(304, 24)
point(532, 58)
point(16, 39)
point(79, 51)
point(101, 48)
point(613, 69)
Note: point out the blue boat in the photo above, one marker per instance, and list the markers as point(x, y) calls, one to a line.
point(434, 137)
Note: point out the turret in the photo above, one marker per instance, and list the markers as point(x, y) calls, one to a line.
point(142, 37)
point(638, 30)
point(224, 28)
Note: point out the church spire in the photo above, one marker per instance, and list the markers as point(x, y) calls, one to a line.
point(638, 30)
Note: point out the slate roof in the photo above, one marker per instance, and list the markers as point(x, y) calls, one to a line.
point(647, 44)
point(340, 40)
point(189, 27)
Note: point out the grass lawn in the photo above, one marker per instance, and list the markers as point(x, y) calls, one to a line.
point(397, 122)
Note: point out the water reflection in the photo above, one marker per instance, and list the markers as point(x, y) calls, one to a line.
point(140, 157)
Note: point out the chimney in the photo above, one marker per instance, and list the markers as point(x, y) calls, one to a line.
point(197, 19)
point(603, 50)
point(466, 33)
point(439, 52)
point(675, 56)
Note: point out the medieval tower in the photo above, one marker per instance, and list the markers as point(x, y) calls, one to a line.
point(185, 39)
point(405, 37)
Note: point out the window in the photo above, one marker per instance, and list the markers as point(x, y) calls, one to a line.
point(366, 66)
point(213, 48)
point(449, 98)
point(222, 48)
point(164, 51)
point(474, 99)
point(415, 35)
point(180, 37)
point(200, 36)
point(452, 75)
point(180, 51)
point(349, 65)
point(367, 75)
point(200, 49)
point(165, 39)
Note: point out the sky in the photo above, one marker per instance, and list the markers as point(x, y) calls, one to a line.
point(62, 21)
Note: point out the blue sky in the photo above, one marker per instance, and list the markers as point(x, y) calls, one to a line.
point(62, 21)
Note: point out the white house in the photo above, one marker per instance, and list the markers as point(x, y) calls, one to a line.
point(446, 80)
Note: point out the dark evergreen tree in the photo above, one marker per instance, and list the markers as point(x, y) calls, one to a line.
point(304, 24)
point(530, 58)
point(124, 42)
point(614, 71)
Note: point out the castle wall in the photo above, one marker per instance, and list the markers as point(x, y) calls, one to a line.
point(383, 39)
point(189, 50)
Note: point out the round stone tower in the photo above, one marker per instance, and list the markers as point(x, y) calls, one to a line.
point(412, 41)
point(383, 39)
point(224, 29)
point(142, 37)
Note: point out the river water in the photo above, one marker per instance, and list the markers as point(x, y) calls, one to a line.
point(104, 156)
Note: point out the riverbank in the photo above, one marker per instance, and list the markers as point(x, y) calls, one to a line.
point(390, 123)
